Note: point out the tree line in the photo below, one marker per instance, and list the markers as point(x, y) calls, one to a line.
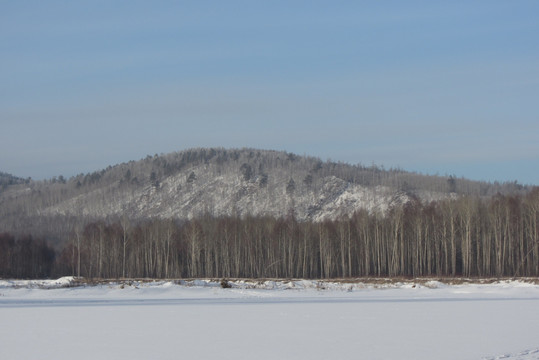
point(25, 257)
point(469, 237)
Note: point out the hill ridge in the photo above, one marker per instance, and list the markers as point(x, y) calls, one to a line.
point(225, 182)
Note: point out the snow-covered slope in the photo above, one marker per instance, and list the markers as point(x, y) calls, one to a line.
point(217, 190)
point(241, 182)
point(227, 195)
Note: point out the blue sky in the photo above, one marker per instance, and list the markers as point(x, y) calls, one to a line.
point(436, 87)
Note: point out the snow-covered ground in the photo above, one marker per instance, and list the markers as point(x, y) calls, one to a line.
point(268, 320)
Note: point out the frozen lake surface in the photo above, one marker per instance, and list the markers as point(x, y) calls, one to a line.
point(270, 320)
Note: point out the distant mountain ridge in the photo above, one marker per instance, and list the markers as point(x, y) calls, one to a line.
point(228, 182)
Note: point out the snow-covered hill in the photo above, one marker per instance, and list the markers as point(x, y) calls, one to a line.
point(228, 195)
point(223, 182)
point(226, 182)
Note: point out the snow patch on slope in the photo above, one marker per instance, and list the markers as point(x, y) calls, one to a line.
point(219, 192)
point(532, 354)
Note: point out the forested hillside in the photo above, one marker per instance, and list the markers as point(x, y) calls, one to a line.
point(222, 182)
point(466, 237)
point(258, 213)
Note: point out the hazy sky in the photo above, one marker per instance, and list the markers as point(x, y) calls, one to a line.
point(446, 87)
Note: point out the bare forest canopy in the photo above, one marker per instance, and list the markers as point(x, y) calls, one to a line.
point(469, 237)
point(260, 213)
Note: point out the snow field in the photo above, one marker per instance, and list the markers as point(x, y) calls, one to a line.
point(293, 320)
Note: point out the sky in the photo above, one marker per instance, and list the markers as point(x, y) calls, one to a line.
point(437, 87)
